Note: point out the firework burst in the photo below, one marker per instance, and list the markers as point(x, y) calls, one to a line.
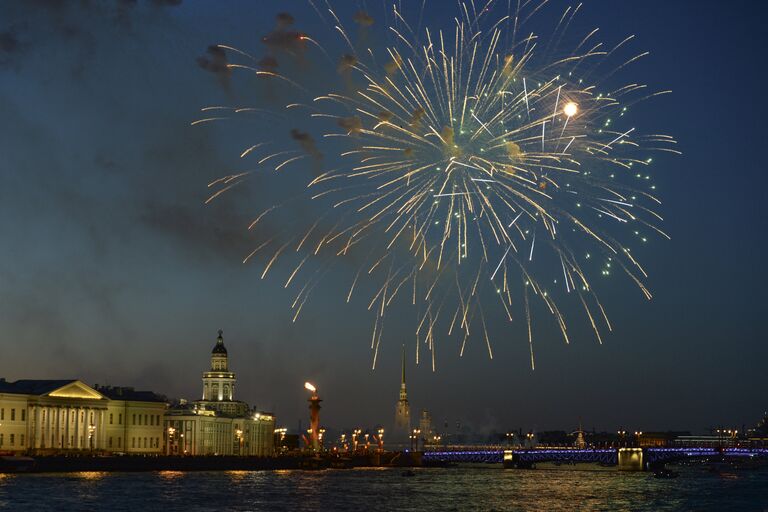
point(481, 167)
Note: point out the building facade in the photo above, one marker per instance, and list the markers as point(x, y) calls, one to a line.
point(402, 409)
point(218, 424)
point(64, 416)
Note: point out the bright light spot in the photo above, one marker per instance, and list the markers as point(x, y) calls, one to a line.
point(570, 109)
point(310, 387)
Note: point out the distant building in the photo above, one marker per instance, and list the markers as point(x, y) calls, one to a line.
point(403, 409)
point(218, 424)
point(59, 416)
point(427, 434)
point(660, 439)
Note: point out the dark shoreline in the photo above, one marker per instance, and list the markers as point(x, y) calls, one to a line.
point(71, 464)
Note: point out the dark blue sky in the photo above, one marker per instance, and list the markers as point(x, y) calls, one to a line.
point(113, 271)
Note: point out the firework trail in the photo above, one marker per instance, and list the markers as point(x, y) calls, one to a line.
point(476, 168)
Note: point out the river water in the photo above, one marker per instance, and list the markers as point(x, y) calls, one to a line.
point(484, 488)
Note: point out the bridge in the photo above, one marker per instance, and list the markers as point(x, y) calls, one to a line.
point(628, 459)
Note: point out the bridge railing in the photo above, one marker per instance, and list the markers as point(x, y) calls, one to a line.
point(608, 456)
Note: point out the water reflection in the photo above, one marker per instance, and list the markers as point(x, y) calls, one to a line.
point(385, 490)
point(89, 475)
point(170, 475)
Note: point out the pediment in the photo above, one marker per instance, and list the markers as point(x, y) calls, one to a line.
point(76, 389)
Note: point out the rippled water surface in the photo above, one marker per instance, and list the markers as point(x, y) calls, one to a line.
point(385, 489)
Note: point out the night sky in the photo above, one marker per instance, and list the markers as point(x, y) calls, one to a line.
point(112, 270)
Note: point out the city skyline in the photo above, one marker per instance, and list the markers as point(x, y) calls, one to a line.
point(114, 270)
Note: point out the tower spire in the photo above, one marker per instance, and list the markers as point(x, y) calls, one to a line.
point(403, 364)
point(403, 410)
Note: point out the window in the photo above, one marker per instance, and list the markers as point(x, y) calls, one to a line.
point(120, 419)
point(145, 419)
point(110, 418)
point(152, 420)
point(145, 442)
point(110, 442)
point(134, 419)
point(13, 418)
point(157, 421)
point(71, 440)
point(23, 415)
point(1, 439)
point(119, 442)
point(12, 437)
point(133, 442)
point(22, 439)
point(2, 414)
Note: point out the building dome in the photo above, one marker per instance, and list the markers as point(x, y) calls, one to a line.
point(219, 347)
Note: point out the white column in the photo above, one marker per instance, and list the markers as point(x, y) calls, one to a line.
point(57, 428)
point(67, 420)
point(78, 427)
point(102, 429)
point(36, 442)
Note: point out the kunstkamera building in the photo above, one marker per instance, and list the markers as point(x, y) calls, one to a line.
point(45, 417)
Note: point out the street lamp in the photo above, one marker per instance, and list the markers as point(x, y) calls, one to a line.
point(381, 439)
point(239, 435)
point(343, 442)
point(415, 439)
point(355, 433)
point(91, 430)
point(171, 432)
point(529, 436)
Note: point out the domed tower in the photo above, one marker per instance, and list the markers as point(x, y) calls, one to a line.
point(219, 382)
